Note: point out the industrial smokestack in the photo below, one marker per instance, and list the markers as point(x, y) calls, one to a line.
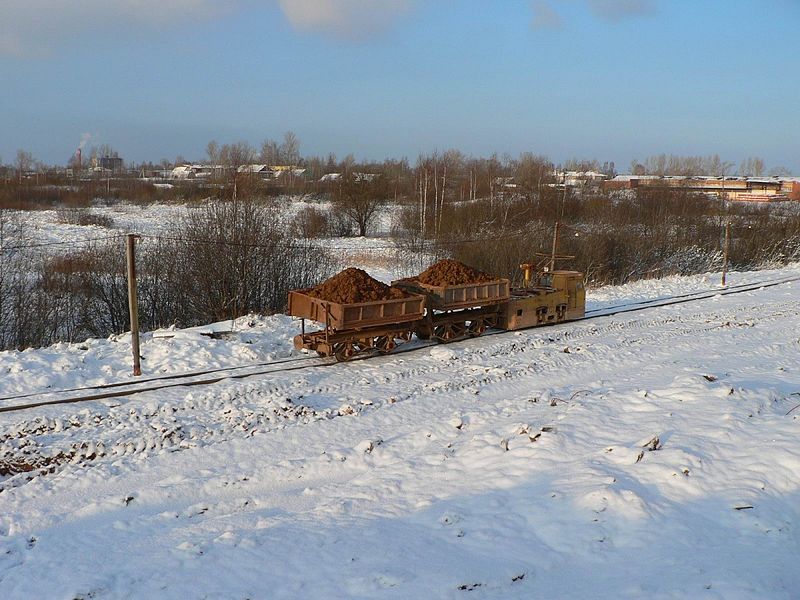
point(78, 154)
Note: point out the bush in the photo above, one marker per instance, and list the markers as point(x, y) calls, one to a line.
point(310, 222)
point(82, 216)
point(225, 260)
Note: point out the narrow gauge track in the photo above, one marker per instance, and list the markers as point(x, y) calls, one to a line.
point(295, 364)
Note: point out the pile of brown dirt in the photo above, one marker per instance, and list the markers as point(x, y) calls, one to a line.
point(452, 272)
point(352, 286)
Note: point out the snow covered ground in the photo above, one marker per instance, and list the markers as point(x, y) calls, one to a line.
point(640, 455)
point(378, 254)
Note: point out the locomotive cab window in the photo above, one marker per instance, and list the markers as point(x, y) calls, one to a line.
point(519, 312)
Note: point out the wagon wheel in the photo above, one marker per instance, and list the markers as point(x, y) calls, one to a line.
point(444, 333)
point(477, 327)
point(404, 336)
point(364, 344)
point(344, 351)
point(385, 344)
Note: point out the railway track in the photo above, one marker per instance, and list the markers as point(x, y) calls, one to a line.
point(208, 377)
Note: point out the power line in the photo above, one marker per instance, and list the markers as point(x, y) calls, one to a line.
point(431, 244)
point(322, 246)
point(61, 243)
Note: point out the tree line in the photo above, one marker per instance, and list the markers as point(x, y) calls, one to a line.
point(237, 251)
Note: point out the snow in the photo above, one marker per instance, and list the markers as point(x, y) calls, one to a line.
point(248, 340)
point(377, 254)
point(44, 226)
point(639, 455)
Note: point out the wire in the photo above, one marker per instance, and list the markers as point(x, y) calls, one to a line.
point(62, 243)
point(431, 244)
point(323, 246)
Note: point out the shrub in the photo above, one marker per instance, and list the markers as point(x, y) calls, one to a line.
point(82, 216)
point(310, 222)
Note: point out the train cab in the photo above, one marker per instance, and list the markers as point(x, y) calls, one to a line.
point(551, 297)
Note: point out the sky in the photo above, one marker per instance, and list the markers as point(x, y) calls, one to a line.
point(612, 80)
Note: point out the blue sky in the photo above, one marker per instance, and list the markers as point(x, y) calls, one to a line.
point(606, 79)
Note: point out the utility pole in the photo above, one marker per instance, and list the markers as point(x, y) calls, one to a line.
point(133, 302)
point(726, 251)
point(555, 247)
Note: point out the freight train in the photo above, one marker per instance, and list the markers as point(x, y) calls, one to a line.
point(443, 308)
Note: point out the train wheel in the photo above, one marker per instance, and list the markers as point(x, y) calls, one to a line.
point(344, 351)
point(445, 333)
point(385, 344)
point(476, 328)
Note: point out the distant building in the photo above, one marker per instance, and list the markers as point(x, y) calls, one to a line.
point(266, 172)
point(579, 178)
point(505, 182)
point(749, 189)
point(360, 177)
point(111, 163)
point(189, 171)
point(182, 172)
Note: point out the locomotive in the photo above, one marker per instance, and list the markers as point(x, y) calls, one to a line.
point(436, 310)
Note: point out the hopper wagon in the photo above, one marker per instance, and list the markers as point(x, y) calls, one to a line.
point(355, 327)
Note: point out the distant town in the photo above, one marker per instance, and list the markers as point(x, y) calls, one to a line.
point(463, 176)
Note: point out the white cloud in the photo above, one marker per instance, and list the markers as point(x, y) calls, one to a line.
point(352, 19)
point(33, 27)
point(544, 16)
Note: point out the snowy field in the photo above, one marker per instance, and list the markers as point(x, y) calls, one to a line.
point(376, 253)
point(647, 455)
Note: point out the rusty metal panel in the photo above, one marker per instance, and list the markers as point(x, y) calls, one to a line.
point(449, 297)
point(353, 316)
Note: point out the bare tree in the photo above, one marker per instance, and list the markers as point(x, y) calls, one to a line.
point(270, 153)
point(780, 172)
point(107, 150)
point(752, 166)
point(212, 150)
point(23, 163)
point(531, 173)
point(360, 198)
point(233, 157)
point(290, 149)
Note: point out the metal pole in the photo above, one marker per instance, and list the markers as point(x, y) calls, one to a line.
point(133, 303)
point(726, 250)
point(555, 247)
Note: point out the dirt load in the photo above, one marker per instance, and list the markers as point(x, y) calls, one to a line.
point(451, 272)
point(352, 286)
